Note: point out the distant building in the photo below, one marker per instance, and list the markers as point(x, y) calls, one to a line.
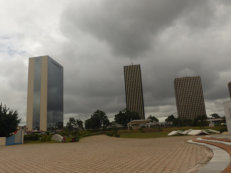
point(134, 90)
point(45, 94)
point(136, 124)
point(229, 86)
point(227, 106)
point(189, 97)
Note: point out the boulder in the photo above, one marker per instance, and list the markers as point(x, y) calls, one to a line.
point(57, 137)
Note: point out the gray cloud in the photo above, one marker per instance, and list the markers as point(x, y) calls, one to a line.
point(93, 40)
point(169, 40)
point(129, 26)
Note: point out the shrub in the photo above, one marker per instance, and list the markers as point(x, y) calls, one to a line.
point(77, 139)
point(223, 129)
point(141, 129)
point(32, 137)
point(109, 133)
point(117, 135)
point(45, 138)
point(113, 133)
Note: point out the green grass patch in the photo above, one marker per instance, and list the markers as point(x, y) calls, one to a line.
point(39, 142)
point(160, 132)
point(144, 135)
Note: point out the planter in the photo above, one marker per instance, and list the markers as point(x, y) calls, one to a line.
point(2, 141)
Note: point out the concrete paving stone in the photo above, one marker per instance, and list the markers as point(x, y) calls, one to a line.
point(103, 154)
point(221, 159)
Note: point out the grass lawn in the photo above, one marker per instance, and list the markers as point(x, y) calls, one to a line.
point(157, 133)
point(39, 142)
point(144, 135)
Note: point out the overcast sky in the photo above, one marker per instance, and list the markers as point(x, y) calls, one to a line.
point(94, 39)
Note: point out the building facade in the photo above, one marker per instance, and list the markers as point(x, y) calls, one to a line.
point(229, 86)
point(45, 94)
point(134, 90)
point(189, 97)
point(227, 106)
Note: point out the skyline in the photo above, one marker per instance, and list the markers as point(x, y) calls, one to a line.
point(94, 40)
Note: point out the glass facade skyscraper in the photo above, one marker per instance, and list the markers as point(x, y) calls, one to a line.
point(45, 94)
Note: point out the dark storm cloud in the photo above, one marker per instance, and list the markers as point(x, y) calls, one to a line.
point(129, 26)
point(168, 38)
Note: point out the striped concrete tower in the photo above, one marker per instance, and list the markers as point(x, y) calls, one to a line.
point(189, 97)
point(134, 90)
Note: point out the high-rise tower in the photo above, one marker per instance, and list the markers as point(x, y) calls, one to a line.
point(229, 86)
point(134, 90)
point(45, 94)
point(189, 97)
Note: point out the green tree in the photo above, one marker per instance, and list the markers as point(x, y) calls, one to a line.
point(170, 118)
point(200, 121)
point(8, 121)
point(153, 118)
point(74, 124)
point(98, 120)
point(124, 117)
point(215, 115)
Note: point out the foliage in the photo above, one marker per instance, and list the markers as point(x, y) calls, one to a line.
point(71, 139)
point(74, 124)
point(222, 129)
point(59, 125)
point(170, 118)
point(45, 138)
point(38, 137)
point(86, 133)
point(72, 130)
point(8, 121)
point(125, 117)
point(98, 120)
point(153, 118)
point(200, 121)
point(114, 133)
point(32, 137)
point(215, 115)
point(141, 129)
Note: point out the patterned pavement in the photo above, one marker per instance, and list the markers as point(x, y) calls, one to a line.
point(102, 154)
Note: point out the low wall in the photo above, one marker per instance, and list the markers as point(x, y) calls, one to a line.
point(17, 138)
point(2, 141)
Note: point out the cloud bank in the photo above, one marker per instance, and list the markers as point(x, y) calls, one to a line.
point(93, 40)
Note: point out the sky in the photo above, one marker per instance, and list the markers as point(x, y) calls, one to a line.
point(93, 40)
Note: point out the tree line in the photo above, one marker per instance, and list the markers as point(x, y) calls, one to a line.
point(9, 120)
point(99, 120)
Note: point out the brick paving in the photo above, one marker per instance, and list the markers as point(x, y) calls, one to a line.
point(102, 154)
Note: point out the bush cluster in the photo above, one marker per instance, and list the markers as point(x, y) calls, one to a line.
point(71, 139)
point(113, 133)
point(45, 138)
point(32, 137)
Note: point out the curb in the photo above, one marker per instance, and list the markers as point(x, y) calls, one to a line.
point(219, 161)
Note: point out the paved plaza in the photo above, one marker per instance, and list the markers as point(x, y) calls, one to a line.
point(99, 154)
